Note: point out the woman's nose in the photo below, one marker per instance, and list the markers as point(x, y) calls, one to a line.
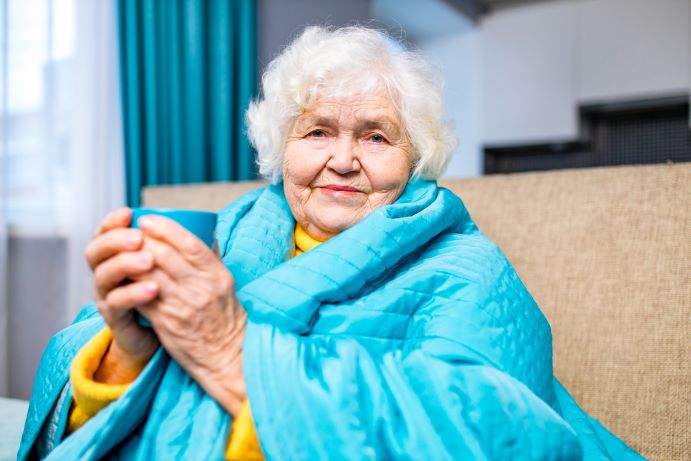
point(344, 156)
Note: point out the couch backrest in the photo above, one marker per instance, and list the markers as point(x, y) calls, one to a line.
point(606, 253)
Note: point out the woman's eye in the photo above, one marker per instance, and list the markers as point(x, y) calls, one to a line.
point(377, 138)
point(317, 134)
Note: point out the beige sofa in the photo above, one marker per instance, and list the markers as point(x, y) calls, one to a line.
point(607, 255)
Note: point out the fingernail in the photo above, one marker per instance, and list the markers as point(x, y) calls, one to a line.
point(145, 259)
point(145, 222)
point(134, 238)
point(150, 287)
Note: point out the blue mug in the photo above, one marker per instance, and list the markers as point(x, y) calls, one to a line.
point(200, 223)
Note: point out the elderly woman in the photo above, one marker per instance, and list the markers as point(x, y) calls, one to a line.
point(353, 309)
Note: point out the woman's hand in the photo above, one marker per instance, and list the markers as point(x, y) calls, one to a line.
point(183, 289)
point(116, 255)
point(195, 313)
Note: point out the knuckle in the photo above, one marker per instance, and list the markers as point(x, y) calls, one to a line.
point(188, 314)
point(227, 282)
point(111, 300)
point(102, 307)
point(163, 254)
point(121, 266)
point(100, 272)
point(128, 259)
point(89, 254)
point(118, 298)
point(131, 237)
point(193, 247)
point(210, 297)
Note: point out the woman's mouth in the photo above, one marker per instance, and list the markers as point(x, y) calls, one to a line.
point(338, 188)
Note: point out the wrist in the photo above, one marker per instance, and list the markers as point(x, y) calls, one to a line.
point(226, 380)
point(230, 393)
point(120, 367)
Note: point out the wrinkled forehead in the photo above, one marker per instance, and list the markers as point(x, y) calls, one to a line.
point(356, 106)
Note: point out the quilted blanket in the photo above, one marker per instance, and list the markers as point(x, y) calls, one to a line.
point(407, 336)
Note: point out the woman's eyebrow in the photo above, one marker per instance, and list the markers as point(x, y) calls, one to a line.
point(309, 120)
point(385, 124)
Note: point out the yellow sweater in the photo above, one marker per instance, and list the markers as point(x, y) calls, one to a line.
point(91, 396)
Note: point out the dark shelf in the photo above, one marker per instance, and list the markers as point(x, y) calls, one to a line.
point(622, 133)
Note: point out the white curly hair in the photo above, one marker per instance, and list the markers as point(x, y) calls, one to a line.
point(325, 62)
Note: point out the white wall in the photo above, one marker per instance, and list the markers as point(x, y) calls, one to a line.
point(632, 48)
point(280, 21)
point(529, 74)
point(451, 42)
point(462, 97)
point(541, 61)
point(520, 75)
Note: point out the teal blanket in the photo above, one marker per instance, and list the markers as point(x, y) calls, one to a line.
point(408, 336)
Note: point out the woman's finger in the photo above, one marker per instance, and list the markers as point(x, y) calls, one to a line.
point(112, 272)
point(111, 243)
point(179, 271)
point(168, 259)
point(118, 218)
point(127, 297)
point(189, 245)
point(166, 304)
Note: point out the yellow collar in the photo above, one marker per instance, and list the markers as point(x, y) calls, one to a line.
point(303, 241)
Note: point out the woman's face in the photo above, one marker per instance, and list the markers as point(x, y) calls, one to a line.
point(344, 157)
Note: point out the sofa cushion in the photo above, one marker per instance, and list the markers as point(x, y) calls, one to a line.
point(606, 254)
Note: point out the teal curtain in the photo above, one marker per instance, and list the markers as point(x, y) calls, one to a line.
point(188, 73)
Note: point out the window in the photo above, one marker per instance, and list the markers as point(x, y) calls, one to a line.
point(38, 47)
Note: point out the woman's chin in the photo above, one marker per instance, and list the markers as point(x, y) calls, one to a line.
point(331, 224)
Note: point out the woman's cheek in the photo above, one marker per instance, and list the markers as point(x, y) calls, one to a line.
point(294, 175)
point(301, 165)
point(388, 173)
